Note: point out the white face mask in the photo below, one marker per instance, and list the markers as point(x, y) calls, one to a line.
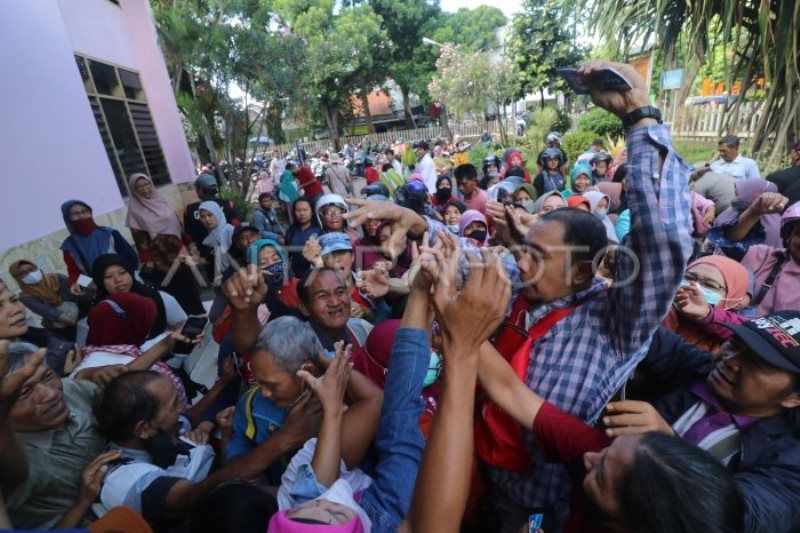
point(454, 228)
point(601, 213)
point(33, 277)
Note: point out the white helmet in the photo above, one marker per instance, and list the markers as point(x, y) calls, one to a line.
point(329, 199)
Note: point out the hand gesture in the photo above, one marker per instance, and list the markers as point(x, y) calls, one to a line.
point(312, 252)
point(224, 419)
point(176, 335)
point(629, 417)
point(769, 203)
point(439, 265)
point(690, 303)
point(331, 386)
point(11, 383)
point(92, 475)
point(404, 221)
point(246, 289)
point(199, 435)
point(102, 375)
point(470, 316)
point(618, 102)
point(303, 420)
point(74, 358)
point(375, 282)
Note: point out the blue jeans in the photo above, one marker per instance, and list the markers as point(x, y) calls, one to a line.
point(399, 442)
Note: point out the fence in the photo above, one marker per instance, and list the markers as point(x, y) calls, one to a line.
point(705, 121)
point(467, 132)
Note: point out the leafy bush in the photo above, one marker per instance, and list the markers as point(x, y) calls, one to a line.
point(242, 206)
point(479, 151)
point(602, 123)
point(577, 142)
point(564, 123)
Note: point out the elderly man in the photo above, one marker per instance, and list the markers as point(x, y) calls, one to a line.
point(732, 163)
point(741, 405)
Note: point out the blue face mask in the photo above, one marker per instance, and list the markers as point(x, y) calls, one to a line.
point(711, 297)
point(453, 228)
point(273, 274)
point(434, 369)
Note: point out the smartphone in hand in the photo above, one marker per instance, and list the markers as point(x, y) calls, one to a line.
point(605, 79)
point(193, 327)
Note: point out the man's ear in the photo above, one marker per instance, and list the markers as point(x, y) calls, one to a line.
point(304, 309)
point(143, 430)
point(582, 272)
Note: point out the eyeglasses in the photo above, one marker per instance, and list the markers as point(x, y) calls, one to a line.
point(332, 213)
point(709, 284)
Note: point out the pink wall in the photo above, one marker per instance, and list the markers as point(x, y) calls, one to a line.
point(49, 141)
point(49, 144)
point(126, 35)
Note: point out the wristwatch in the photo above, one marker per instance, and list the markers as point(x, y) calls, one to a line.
point(638, 114)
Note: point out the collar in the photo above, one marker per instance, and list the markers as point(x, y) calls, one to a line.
point(702, 391)
point(535, 314)
point(44, 439)
point(326, 341)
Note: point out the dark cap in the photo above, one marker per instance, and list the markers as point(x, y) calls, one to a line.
point(775, 338)
point(422, 144)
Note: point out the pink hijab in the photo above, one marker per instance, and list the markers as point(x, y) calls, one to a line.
point(153, 215)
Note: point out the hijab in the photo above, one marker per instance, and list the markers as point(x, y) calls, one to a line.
point(87, 241)
point(222, 235)
point(46, 290)
point(153, 215)
point(581, 167)
point(539, 205)
point(122, 318)
point(578, 199)
point(255, 249)
point(470, 216)
point(737, 281)
point(528, 188)
point(98, 275)
point(594, 198)
point(747, 192)
point(509, 156)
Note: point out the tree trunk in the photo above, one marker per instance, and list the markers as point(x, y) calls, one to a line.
point(365, 108)
point(541, 94)
point(444, 123)
point(275, 122)
point(759, 135)
point(332, 118)
point(208, 139)
point(409, 115)
point(697, 60)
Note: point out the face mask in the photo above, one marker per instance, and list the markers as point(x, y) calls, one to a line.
point(434, 368)
point(443, 194)
point(453, 228)
point(479, 235)
point(711, 297)
point(527, 205)
point(601, 213)
point(33, 277)
point(494, 173)
point(84, 226)
point(273, 274)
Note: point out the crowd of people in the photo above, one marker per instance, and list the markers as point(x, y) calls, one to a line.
point(609, 344)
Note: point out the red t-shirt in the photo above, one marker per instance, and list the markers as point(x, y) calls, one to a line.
point(371, 175)
point(308, 182)
point(564, 439)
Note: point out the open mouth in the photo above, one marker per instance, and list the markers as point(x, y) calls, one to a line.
point(19, 323)
point(336, 313)
point(56, 408)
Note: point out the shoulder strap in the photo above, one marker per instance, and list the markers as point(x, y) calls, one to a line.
point(250, 432)
point(776, 268)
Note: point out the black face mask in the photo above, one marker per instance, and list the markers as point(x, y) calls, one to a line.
point(443, 194)
point(162, 449)
point(479, 235)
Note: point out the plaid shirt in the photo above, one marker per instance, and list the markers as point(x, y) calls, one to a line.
point(587, 356)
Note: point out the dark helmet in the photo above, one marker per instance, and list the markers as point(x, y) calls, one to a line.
point(551, 153)
point(376, 188)
point(413, 195)
point(601, 156)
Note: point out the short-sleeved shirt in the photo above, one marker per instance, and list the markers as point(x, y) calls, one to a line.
point(741, 168)
point(56, 459)
point(477, 202)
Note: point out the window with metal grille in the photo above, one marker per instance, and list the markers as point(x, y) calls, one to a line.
point(124, 122)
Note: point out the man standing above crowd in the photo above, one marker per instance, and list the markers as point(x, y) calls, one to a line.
point(426, 166)
point(585, 337)
point(732, 163)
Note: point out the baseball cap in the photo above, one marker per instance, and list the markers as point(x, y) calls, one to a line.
point(775, 338)
point(335, 241)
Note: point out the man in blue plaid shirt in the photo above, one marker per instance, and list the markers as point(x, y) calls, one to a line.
point(586, 356)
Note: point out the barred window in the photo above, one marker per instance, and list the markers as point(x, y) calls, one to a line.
point(124, 122)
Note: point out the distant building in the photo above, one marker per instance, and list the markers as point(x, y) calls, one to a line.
point(86, 101)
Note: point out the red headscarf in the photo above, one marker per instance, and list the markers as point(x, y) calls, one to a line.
point(122, 318)
point(575, 201)
point(512, 155)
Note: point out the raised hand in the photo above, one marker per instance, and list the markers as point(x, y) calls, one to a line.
point(769, 203)
point(618, 102)
point(312, 252)
point(375, 282)
point(74, 358)
point(246, 289)
point(404, 222)
point(690, 303)
point(331, 386)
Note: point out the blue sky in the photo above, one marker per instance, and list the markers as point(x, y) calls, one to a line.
point(507, 6)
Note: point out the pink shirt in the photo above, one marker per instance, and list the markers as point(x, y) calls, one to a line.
point(785, 291)
point(478, 202)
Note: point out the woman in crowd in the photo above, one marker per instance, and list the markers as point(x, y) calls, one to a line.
point(303, 228)
point(514, 159)
point(598, 206)
point(444, 194)
point(368, 248)
point(243, 236)
point(48, 296)
point(330, 209)
point(112, 275)
point(220, 237)
point(473, 226)
point(87, 241)
point(452, 216)
point(723, 283)
point(550, 178)
point(525, 197)
point(549, 201)
point(157, 234)
point(271, 261)
point(753, 218)
point(580, 180)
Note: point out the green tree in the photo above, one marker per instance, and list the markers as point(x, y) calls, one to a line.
point(543, 39)
point(471, 29)
point(412, 63)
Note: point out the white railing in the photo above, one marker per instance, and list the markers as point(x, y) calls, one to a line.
point(705, 121)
